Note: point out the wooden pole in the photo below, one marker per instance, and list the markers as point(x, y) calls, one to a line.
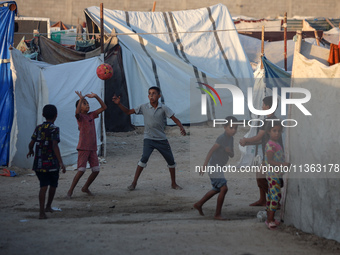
point(262, 46)
point(101, 28)
point(330, 23)
point(285, 40)
point(154, 6)
point(317, 38)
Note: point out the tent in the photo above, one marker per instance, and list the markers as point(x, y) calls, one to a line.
point(37, 84)
point(6, 85)
point(54, 53)
point(256, 25)
point(177, 51)
point(312, 199)
point(271, 76)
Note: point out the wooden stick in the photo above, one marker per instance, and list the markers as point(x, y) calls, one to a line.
point(285, 40)
point(154, 6)
point(102, 28)
point(330, 23)
point(262, 46)
point(317, 38)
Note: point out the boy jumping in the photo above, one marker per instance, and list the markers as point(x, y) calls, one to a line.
point(87, 145)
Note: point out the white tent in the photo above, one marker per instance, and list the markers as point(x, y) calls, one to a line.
point(37, 84)
point(312, 201)
point(175, 51)
point(332, 36)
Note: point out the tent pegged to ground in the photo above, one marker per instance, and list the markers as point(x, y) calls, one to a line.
point(37, 84)
point(312, 201)
point(8, 11)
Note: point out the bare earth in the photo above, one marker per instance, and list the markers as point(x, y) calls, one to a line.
point(153, 219)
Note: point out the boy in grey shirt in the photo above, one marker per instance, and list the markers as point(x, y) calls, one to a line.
point(154, 114)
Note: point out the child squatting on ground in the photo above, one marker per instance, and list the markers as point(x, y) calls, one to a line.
point(274, 157)
point(87, 145)
point(154, 114)
point(47, 159)
point(219, 155)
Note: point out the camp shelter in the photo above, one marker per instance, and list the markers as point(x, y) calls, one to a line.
point(248, 25)
point(7, 14)
point(332, 36)
point(37, 84)
point(312, 199)
point(178, 51)
point(54, 53)
point(58, 26)
point(25, 26)
point(266, 78)
point(273, 51)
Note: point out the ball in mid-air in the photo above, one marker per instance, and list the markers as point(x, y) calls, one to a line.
point(104, 71)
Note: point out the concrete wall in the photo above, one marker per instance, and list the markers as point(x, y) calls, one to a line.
point(70, 11)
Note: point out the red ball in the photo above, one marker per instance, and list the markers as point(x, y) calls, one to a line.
point(104, 71)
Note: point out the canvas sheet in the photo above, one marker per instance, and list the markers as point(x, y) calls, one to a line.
point(6, 83)
point(37, 84)
point(271, 76)
point(256, 25)
point(315, 141)
point(178, 55)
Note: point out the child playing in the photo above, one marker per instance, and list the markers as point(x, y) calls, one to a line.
point(87, 145)
point(154, 114)
point(274, 157)
point(262, 138)
point(219, 155)
point(47, 159)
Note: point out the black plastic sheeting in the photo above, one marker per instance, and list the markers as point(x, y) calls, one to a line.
point(115, 119)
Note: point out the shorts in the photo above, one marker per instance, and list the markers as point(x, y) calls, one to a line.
point(162, 146)
point(91, 157)
point(218, 183)
point(48, 178)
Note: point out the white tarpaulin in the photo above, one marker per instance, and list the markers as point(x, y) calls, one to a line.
point(185, 47)
point(312, 204)
point(332, 36)
point(37, 84)
point(256, 25)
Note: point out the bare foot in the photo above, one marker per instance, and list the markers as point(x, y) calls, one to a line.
point(49, 209)
point(42, 216)
point(199, 209)
point(131, 187)
point(258, 203)
point(69, 195)
point(87, 191)
point(176, 187)
point(219, 218)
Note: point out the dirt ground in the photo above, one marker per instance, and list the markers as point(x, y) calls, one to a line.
point(153, 219)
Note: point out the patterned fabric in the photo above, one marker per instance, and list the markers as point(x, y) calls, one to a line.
point(274, 193)
point(279, 156)
point(87, 131)
point(273, 178)
point(45, 159)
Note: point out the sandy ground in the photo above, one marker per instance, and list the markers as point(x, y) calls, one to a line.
point(153, 219)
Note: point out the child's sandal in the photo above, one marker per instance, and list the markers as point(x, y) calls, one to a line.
point(271, 225)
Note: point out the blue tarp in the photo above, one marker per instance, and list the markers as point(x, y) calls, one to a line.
point(275, 76)
point(6, 82)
